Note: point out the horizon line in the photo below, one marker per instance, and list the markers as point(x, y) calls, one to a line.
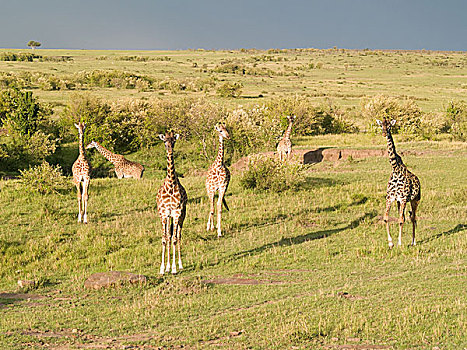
point(224, 49)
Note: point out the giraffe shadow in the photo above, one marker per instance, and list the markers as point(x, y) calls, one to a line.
point(280, 217)
point(457, 228)
point(289, 241)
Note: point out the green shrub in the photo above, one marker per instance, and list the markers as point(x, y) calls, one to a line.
point(92, 111)
point(44, 179)
point(406, 112)
point(230, 89)
point(21, 111)
point(266, 173)
point(22, 56)
point(456, 120)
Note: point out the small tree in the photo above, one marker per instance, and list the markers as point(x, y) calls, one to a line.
point(33, 44)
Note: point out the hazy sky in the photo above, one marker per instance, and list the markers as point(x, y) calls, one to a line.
point(229, 24)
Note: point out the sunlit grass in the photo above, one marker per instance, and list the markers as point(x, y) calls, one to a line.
point(320, 253)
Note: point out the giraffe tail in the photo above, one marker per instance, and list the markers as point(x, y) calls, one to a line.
point(225, 204)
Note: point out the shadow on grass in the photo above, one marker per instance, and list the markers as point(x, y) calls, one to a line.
point(276, 219)
point(458, 228)
point(289, 241)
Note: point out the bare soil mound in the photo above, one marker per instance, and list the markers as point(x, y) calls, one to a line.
point(317, 155)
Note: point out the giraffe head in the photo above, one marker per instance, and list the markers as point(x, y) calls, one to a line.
point(291, 118)
point(386, 125)
point(80, 126)
point(93, 144)
point(169, 140)
point(221, 129)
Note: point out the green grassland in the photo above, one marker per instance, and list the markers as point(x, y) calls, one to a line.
point(344, 76)
point(308, 268)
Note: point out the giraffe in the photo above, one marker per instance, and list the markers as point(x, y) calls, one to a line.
point(284, 147)
point(81, 170)
point(218, 180)
point(403, 186)
point(171, 203)
point(124, 168)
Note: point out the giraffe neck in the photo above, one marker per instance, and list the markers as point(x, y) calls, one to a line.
point(220, 152)
point(171, 175)
point(82, 152)
point(288, 131)
point(104, 151)
point(394, 158)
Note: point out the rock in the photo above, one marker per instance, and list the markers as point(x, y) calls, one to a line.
point(111, 278)
point(26, 283)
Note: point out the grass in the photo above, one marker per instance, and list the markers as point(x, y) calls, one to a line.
point(319, 257)
point(345, 76)
point(314, 262)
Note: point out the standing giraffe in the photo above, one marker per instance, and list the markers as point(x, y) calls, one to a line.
point(123, 167)
point(284, 147)
point(403, 186)
point(81, 171)
point(171, 203)
point(218, 180)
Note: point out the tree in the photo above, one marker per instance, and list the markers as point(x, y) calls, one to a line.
point(33, 44)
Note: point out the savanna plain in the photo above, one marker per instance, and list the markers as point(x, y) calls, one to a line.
point(303, 263)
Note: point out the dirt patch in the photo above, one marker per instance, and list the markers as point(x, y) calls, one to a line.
point(21, 296)
point(77, 339)
point(112, 278)
point(348, 296)
point(239, 281)
point(358, 346)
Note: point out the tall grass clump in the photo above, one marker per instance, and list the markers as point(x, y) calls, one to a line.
point(269, 174)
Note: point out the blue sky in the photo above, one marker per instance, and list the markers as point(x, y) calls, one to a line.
point(231, 24)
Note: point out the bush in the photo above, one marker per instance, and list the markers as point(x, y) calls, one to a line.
point(92, 111)
point(44, 179)
point(456, 120)
point(270, 174)
point(21, 111)
point(405, 112)
point(21, 152)
point(310, 120)
point(230, 89)
point(10, 56)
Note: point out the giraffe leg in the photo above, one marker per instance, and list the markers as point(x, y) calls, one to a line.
point(164, 244)
point(174, 243)
point(168, 241)
point(401, 221)
point(85, 200)
point(210, 225)
point(413, 218)
point(386, 220)
point(219, 211)
point(78, 188)
point(178, 227)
